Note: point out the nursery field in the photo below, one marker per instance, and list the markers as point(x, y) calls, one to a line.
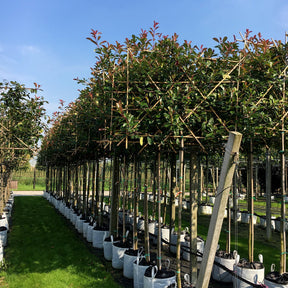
point(45, 251)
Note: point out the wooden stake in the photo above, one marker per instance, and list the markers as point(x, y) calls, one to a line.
point(216, 221)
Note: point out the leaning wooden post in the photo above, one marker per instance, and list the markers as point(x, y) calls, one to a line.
point(227, 171)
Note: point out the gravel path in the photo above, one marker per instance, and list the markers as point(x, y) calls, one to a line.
point(28, 193)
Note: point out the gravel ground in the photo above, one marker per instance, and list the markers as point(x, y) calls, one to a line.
point(28, 193)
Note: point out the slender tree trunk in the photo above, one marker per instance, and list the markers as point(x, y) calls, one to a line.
point(88, 211)
point(165, 194)
point(193, 217)
point(97, 191)
point(84, 188)
point(283, 213)
point(228, 236)
point(114, 198)
point(34, 178)
point(172, 190)
point(154, 189)
point(47, 178)
point(268, 195)
point(93, 188)
point(159, 264)
point(103, 190)
point(135, 205)
point(181, 192)
point(146, 230)
point(76, 187)
point(251, 203)
point(124, 180)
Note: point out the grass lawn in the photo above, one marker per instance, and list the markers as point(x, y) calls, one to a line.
point(44, 252)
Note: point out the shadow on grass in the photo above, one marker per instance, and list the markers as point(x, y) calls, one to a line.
point(41, 242)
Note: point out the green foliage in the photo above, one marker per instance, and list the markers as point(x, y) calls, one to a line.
point(21, 123)
point(150, 90)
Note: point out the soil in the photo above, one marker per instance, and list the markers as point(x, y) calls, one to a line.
point(276, 277)
point(161, 274)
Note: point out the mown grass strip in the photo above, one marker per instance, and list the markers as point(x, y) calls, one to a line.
point(43, 252)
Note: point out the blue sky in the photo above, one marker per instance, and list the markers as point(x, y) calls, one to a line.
point(45, 41)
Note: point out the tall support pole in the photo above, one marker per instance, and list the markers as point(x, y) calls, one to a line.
point(226, 176)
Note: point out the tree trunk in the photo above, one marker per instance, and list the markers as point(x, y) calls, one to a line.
point(250, 203)
point(114, 198)
point(84, 187)
point(97, 191)
point(93, 188)
point(146, 215)
point(172, 190)
point(165, 194)
point(159, 210)
point(268, 195)
point(135, 204)
point(34, 178)
point(181, 192)
point(193, 217)
point(103, 191)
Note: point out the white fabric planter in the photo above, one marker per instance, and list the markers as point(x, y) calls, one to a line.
point(89, 233)
point(238, 215)
point(164, 235)
point(71, 215)
point(118, 256)
point(4, 222)
point(255, 276)
point(151, 227)
point(98, 237)
point(107, 247)
point(141, 224)
point(79, 225)
point(173, 241)
point(85, 227)
point(245, 218)
point(74, 219)
point(263, 222)
point(219, 274)
point(273, 277)
point(138, 274)
point(154, 282)
point(3, 236)
point(67, 212)
point(185, 205)
point(1, 253)
point(212, 199)
point(130, 256)
point(200, 248)
point(205, 210)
